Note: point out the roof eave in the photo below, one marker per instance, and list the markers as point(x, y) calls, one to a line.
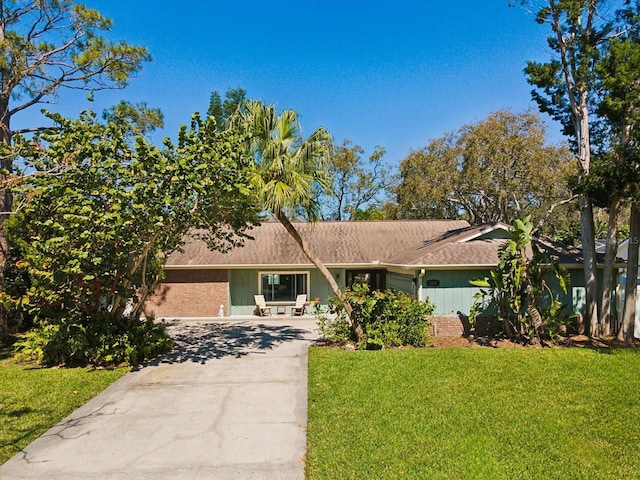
point(278, 266)
point(461, 266)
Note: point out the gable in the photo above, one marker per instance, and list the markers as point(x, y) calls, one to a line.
point(473, 246)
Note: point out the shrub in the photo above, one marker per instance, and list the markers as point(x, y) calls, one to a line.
point(388, 319)
point(526, 305)
point(99, 342)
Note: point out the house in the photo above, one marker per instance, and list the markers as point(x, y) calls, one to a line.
point(431, 259)
point(623, 254)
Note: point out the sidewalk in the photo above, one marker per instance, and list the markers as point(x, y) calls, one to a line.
point(230, 402)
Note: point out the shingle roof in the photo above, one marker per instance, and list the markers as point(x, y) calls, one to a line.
point(473, 246)
point(410, 243)
point(335, 243)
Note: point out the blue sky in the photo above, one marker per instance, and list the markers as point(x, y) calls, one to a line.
point(392, 73)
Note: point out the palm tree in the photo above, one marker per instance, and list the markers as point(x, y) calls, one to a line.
point(287, 168)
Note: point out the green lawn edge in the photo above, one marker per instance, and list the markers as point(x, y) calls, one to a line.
point(473, 413)
point(34, 399)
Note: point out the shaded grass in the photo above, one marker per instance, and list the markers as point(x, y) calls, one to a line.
point(32, 399)
point(474, 413)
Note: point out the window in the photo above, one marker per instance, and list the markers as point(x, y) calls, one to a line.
point(374, 278)
point(283, 286)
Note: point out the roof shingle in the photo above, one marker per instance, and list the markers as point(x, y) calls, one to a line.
point(335, 243)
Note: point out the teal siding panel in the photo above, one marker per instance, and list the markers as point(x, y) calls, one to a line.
point(450, 301)
point(320, 287)
point(452, 278)
point(243, 285)
point(402, 283)
point(454, 293)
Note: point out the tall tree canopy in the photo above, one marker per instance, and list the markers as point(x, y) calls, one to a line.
point(498, 169)
point(358, 187)
point(52, 44)
point(222, 110)
point(94, 236)
point(619, 90)
point(287, 170)
point(49, 45)
point(570, 88)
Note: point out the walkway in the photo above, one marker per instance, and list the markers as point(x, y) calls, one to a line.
point(230, 402)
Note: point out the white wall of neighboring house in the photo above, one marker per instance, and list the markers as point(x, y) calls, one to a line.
point(623, 252)
point(622, 280)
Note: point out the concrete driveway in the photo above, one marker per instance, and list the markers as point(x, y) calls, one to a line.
point(230, 402)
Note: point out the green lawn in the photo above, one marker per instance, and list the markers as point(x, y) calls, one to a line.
point(473, 414)
point(34, 399)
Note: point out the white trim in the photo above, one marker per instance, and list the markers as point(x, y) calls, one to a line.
point(358, 266)
point(484, 231)
point(249, 266)
point(463, 266)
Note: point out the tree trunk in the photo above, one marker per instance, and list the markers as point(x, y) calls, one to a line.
point(608, 276)
point(625, 333)
point(353, 324)
point(589, 256)
point(578, 88)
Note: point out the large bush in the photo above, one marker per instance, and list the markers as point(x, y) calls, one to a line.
point(99, 216)
point(388, 319)
point(97, 341)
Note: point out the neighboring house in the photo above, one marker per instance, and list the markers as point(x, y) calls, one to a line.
point(431, 259)
point(623, 254)
point(623, 249)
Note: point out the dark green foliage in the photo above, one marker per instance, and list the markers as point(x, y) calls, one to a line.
point(517, 289)
point(96, 340)
point(358, 186)
point(17, 283)
point(567, 81)
point(497, 169)
point(221, 110)
point(140, 115)
point(388, 319)
point(98, 219)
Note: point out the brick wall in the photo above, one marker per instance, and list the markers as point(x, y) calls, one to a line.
point(190, 293)
point(458, 325)
point(447, 326)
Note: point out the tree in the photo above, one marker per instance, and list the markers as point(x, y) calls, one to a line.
point(619, 88)
point(616, 176)
point(517, 286)
point(564, 88)
point(140, 117)
point(626, 333)
point(358, 188)
point(287, 169)
point(47, 46)
point(223, 110)
point(95, 236)
point(495, 170)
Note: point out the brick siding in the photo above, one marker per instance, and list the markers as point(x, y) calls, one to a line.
point(447, 326)
point(190, 293)
point(456, 326)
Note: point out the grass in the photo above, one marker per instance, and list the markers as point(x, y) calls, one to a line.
point(473, 414)
point(32, 399)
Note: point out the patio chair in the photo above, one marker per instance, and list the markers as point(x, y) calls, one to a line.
point(299, 308)
point(261, 306)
